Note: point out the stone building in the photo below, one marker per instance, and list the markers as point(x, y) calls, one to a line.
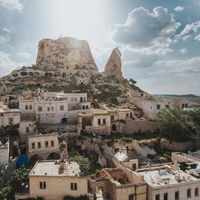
point(53, 180)
point(113, 184)
point(169, 182)
point(9, 117)
point(54, 107)
point(42, 147)
point(151, 107)
point(97, 122)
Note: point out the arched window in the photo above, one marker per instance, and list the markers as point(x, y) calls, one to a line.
point(83, 107)
point(26, 107)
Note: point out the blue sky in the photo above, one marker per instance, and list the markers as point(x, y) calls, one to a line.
point(159, 39)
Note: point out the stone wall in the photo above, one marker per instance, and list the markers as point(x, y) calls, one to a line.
point(133, 126)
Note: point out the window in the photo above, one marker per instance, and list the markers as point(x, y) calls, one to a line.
point(27, 129)
point(39, 108)
point(177, 195)
point(61, 107)
point(157, 197)
point(30, 107)
point(33, 145)
point(73, 186)
point(167, 106)
point(43, 185)
point(99, 121)
point(46, 144)
point(39, 145)
point(48, 108)
point(52, 143)
point(26, 107)
point(188, 193)
point(104, 121)
point(158, 106)
point(131, 197)
point(127, 114)
point(10, 120)
point(165, 196)
point(196, 192)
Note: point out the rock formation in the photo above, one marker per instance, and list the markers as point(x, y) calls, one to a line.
point(114, 64)
point(67, 55)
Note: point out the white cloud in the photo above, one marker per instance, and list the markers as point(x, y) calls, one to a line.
point(179, 9)
point(11, 4)
point(183, 51)
point(3, 40)
point(6, 64)
point(197, 37)
point(24, 55)
point(6, 30)
point(178, 67)
point(190, 31)
point(144, 29)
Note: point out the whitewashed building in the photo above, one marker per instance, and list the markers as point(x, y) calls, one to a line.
point(54, 107)
point(9, 117)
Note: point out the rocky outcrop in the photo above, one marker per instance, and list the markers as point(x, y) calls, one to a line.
point(67, 55)
point(114, 64)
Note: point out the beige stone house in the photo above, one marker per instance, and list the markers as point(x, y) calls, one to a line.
point(43, 146)
point(53, 180)
point(113, 184)
point(97, 122)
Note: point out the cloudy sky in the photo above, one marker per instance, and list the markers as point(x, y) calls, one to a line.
point(159, 39)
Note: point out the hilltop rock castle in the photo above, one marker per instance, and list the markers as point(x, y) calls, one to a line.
point(68, 56)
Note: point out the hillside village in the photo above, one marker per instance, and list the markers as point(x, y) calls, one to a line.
point(82, 134)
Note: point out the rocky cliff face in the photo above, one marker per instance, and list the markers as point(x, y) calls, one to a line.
point(114, 64)
point(67, 55)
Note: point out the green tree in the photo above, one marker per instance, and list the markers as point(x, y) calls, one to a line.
point(132, 82)
point(173, 126)
point(18, 179)
point(83, 163)
point(195, 123)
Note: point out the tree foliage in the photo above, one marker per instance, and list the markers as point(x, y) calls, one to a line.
point(173, 125)
point(16, 183)
point(83, 163)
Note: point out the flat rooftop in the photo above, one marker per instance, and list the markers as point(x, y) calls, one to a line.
point(166, 176)
point(55, 168)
